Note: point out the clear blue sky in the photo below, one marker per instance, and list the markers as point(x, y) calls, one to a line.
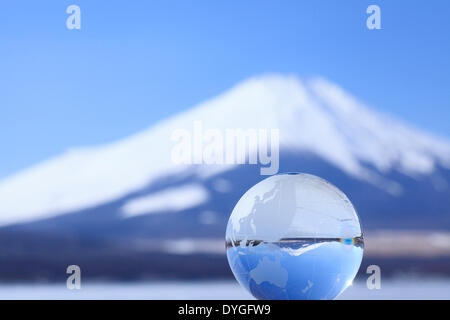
point(136, 62)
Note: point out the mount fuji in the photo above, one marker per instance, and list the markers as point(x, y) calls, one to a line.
point(127, 200)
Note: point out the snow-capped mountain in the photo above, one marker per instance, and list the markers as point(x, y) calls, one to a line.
point(314, 117)
point(126, 210)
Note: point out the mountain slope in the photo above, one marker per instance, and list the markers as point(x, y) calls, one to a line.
point(314, 117)
point(126, 211)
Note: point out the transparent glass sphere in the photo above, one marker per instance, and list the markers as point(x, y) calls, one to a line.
point(294, 236)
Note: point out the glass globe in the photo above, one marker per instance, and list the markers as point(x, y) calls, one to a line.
point(294, 236)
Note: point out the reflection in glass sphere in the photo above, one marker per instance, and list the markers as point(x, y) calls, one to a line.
point(294, 236)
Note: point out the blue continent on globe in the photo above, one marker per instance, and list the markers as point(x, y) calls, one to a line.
point(294, 236)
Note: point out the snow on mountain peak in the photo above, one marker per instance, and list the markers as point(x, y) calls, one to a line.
point(380, 140)
point(311, 115)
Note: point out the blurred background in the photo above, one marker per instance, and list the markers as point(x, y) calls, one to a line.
point(87, 118)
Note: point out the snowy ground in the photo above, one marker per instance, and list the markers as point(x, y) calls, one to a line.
point(391, 289)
